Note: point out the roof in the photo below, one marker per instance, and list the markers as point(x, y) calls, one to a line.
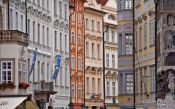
point(102, 2)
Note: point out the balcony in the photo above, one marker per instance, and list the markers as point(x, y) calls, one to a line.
point(43, 86)
point(13, 36)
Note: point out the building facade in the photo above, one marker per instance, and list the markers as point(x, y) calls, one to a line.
point(77, 52)
point(111, 54)
point(47, 26)
point(94, 54)
point(125, 56)
point(145, 54)
point(165, 53)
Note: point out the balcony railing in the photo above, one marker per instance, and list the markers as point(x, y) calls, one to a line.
point(7, 36)
point(43, 86)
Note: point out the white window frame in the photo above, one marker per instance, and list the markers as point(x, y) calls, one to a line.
point(6, 70)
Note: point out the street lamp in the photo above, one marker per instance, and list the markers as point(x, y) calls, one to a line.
point(104, 63)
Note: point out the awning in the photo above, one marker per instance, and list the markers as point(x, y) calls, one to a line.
point(31, 105)
point(10, 102)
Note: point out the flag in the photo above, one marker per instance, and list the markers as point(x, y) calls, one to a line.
point(33, 62)
point(57, 68)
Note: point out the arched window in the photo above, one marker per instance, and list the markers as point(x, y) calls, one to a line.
point(111, 17)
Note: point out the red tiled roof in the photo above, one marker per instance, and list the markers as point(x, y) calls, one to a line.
point(102, 2)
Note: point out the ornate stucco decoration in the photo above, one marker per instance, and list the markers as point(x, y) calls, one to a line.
point(17, 2)
point(23, 6)
point(40, 14)
point(151, 13)
point(140, 19)
point(30, 9)
point(49, 18)
point(56, 23)
point(80, 52)
point(66, 27)
point(35, 12)
point(144, 16)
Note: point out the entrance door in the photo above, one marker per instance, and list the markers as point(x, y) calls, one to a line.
point(94, 107)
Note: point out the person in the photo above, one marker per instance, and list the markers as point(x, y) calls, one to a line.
point(171, 80)
point(169, 39)
point(170, 20)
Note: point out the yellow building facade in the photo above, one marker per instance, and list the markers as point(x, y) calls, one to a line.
point(144, 12)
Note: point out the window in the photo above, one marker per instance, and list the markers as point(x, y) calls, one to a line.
point(6, 72)
point(93, 25)
point(28, 27)
point(141, 82)
point(22, 72)
point(66, 76)
point(48, 73)
point(73, 90)
point(11, 19)
point(98, 26)
point(107, 36)
point(87, 23)
point(99, 85)
point(79, 90)
point(79, 63)
point(33, 31)
point(108, 89)
point(87, 84)
point(47, 4)
point(113, 61)
point(39, 67)
point(93, 85)
point(43, 35)
point(43, 71)
point(93, 54)
point(137, 82)
point(79, 39)
point(61, 76)
point(128, 43)
point(60, 6)
point(16, 20)
point(55, 7)
point(113, 88)
point(153, 82)
point(120, 45)
point(107, 60)
point(87, 49)
point(152, 32)
point(145, 35)
point(38, 2)
point(38, 33)
point(137, 2)
point(128, 4)
point(72, 62)
point(55, 39)
point(145, 76)
point(98, 50)
point(65, 9)
point(66, 44)
point(136, 40)
point(47, 36)
point(73, 40)
point(113, 36)
point(79, 18)
point(61, 41)
point(129, 83)
point(140, 38)
point(43, 4)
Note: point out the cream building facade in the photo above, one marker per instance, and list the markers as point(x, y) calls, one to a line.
point(145, 54)
point(111, 54)
point(94, 55)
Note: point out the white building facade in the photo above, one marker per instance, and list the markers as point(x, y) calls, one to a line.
point(48, 30)
point(111, 54)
